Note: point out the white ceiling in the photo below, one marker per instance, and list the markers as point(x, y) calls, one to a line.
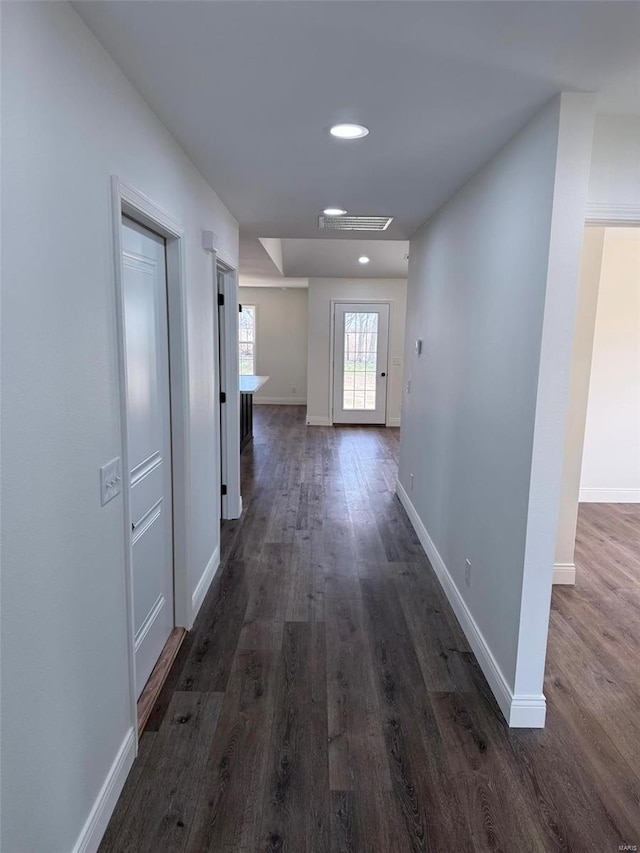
point(339, 258)
point(249, 88)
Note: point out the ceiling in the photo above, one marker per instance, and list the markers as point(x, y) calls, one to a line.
point(249, 89)
point(339, 258)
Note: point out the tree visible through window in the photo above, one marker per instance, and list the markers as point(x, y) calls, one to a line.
point(360, 360)
point(247, 340)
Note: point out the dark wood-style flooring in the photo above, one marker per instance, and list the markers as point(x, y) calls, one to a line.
point(326, 700)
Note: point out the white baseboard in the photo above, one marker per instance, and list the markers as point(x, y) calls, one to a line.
point(610, 496)
point(314, 421)
point(519, 711)
point(393, 422)
point(204, 583)
point(96, 824)
point(564, 573)
point(280, 401)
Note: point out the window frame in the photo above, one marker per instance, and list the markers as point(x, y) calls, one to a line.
point(255, 339)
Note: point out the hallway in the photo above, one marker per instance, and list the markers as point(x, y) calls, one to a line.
point(326, 699)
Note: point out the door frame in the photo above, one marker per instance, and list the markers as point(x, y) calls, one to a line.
point(130, 202)
point(332, 336)
point(227, 348)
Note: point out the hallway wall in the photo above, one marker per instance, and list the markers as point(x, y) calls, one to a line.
point(70, 121)
point(281, 342)
point(492, 289)
point(320, 358)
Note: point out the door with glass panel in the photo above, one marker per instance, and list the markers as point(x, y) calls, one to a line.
point(361, 343)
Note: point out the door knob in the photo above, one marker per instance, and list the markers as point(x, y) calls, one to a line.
point(383, 374)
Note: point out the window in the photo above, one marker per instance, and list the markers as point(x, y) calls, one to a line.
point(360, 360)
point(247, 340)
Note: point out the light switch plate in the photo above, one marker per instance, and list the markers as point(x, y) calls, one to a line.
point(397, 361)
point(110, 481)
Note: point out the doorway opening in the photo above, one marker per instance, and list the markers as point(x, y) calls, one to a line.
point(595, 606)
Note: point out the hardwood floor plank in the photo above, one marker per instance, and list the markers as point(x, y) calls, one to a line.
point(357, 759)
point(163, 804)
point(296, 796)
point(421, 778)
point(619, 780)
point(210, 657)
point(229, 806)
point(111, 837)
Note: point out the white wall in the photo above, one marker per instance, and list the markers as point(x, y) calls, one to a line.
point(281, 335)
point(614, 183)
point(492, 286)
point(70, 120)
point(321, 292)
point(611, 457)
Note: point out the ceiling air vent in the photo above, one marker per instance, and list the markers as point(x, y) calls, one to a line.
point(354, 223)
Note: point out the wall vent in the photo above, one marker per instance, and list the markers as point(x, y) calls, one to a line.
point(354, 223)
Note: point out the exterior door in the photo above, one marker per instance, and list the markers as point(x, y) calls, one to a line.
point(149, 439)
point(361, 343)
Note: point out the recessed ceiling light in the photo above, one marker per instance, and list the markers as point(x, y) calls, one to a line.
point(363, 260)
point(334, 211)
point(349, 131)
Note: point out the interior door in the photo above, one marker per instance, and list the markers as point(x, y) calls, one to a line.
point(149, 439)
point(361, 344)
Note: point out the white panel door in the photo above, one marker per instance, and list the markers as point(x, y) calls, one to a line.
point(361, 344)
point(149, 435)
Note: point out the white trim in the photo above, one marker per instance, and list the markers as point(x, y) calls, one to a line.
point(100, 814)
point(393, 422)
point(280, 401)
point(204, 583)
point(564, 573)
point(615, 214)
point(312, 420)
point(609, 496)
point(519, 711)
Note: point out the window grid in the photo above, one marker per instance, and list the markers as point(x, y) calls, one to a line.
point(247, 340)
point(360, 360)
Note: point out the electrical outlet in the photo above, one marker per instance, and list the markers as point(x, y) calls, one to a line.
point(110, 481)
point(467, 572)
point(411, 481)
point(408, 386)
point(294, 390)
